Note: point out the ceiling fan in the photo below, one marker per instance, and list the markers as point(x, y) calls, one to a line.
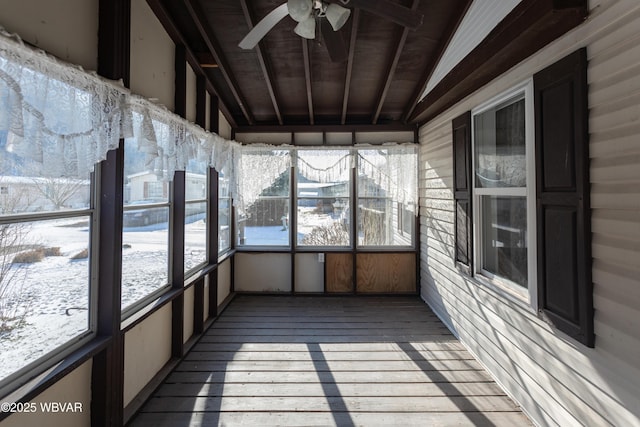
point(331, 17)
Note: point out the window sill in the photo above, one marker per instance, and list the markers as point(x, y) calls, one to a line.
point(505, 293)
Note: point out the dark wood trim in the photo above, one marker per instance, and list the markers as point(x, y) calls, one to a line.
point(107, 374)
point(267, 72)
point(176, 253)
point(214, 116)
point(201, 101)
point(212, 242)
point(178, 38)
point(198, 307)
point(198, 17)
point(391, 67)
point(114, 33)
point(355, 23)
point(528, 28)
point(293, 219)
point(180, 92)
point(213, 294)
point(307, 77)
point(442, 47)
point(387, 127)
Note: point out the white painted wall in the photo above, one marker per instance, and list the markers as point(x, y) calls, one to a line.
point(152, 56)
point(224, 128)
point(67, 29)
point(262, 272)
point(74, 388)
point(309, 273)
point(147, 348)
point(557, 381)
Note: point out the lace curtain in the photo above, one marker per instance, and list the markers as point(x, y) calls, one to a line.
point(324, 165)
point(65, 119)
point(394, 169)
point(61, 117)
point(256, 169)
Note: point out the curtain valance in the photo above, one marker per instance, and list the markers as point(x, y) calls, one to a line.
point(64, 119)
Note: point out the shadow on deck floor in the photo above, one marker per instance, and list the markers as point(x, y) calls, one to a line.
point(344, 361)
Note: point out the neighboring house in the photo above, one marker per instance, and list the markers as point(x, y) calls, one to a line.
point(35, 194)
point(147, 186)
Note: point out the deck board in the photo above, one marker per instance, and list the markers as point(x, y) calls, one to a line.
point(335, 360)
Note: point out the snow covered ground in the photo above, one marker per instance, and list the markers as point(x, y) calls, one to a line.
point(56, 289)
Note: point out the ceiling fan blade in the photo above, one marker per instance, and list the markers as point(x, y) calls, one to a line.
point(264, 26)
point(388, 10)
point(334, 42)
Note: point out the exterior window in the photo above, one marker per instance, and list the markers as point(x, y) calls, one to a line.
point(145, 236)
point(502, 159)
point(45, 278)
point(263, 215)
point(323, 188)
point(195, 227)
point(224, 212)
point(387, 180)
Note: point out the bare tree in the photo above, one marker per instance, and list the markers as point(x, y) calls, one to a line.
point(13, 299)
point(59, 190)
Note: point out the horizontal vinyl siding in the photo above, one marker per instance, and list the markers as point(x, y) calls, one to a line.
point(556, 380)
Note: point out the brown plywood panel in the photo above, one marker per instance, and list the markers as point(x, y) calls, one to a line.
point(339, 272)
point(386, 273)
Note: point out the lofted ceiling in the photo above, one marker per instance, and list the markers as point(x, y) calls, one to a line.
point(290, 82)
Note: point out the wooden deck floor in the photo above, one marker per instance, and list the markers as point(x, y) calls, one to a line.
point(345, 361)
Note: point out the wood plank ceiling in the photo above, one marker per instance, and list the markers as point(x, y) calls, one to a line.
point(287, 80)
point(290, 82)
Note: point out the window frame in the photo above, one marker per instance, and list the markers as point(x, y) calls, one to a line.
point(61, 352)
point(136, 306)
point(355, 202)
point(196, 201)
point(351, 189)
point(529, 295)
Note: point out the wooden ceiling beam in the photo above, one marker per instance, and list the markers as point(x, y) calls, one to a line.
point(206, 60)
point(198, 17)
point(307, 77)
point(264, 64)
point(355, 22)
point(391, 67)
point(451, 29)
point(390, 127)
point(178, 38)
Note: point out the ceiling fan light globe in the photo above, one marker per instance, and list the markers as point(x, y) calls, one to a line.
point(337, 15)
point(300, 10)
point(306, 29)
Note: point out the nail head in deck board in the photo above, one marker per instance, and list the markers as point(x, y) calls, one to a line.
point(351, 360)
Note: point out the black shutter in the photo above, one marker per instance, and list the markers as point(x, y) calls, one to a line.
point(565, 291)
point(462, 191)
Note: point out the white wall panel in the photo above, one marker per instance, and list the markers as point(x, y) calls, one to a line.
point(264, 272)
point(67, 29)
